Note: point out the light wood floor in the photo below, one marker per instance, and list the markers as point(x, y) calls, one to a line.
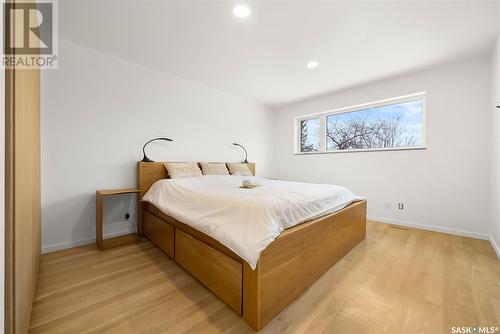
point(396, 281)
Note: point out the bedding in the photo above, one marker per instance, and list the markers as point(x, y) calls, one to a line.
point(182, 169)
point(245, 220)
point(214, 168)
point(239, 169)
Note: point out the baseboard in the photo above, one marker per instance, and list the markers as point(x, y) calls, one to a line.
point(81, 242)
point(495, 246)
point(433, 228)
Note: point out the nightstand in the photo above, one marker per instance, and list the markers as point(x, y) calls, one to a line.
point(99, 209)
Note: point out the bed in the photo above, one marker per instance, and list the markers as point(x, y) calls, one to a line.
point(254, 289)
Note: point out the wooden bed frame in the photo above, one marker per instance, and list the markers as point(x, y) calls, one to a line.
point(286, 268)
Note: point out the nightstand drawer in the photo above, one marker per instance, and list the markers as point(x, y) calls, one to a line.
point(160, 232)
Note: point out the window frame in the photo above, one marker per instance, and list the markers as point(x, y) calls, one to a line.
point(381, 103)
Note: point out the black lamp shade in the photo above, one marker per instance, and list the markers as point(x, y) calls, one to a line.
point(145, 157)
point(246, 154)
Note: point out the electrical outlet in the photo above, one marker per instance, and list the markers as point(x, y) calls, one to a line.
point(401, 206)
point(127, 216)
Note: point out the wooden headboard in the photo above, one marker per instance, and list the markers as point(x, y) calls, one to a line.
point(150, 172)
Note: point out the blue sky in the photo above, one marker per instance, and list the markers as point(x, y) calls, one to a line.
point(410, 114)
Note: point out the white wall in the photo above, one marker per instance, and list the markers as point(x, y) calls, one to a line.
point(495, 150)
point(98, 110)
point(445, 187)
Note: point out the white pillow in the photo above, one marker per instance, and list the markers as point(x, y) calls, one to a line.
point(182, 169)
point(214, 168)
point(239, 169)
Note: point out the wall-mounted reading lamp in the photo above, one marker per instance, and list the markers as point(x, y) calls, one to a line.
point(145, 158)
point(246, 154)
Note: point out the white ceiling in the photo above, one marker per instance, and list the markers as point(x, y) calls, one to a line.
point(264, 57)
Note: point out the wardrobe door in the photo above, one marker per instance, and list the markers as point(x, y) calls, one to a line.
point(22, 194)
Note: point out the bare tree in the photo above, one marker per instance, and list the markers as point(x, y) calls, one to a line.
point(361, 133)
point(304, 146)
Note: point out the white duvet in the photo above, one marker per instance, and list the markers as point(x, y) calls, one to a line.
point(245, 220)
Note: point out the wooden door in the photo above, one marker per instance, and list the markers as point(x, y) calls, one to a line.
point(22, 195)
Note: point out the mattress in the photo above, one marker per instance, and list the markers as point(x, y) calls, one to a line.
point(245, 220)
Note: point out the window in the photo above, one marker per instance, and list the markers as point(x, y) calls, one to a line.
point(309, 135)
point(385, 125)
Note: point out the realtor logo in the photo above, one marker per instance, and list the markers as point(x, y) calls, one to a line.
point(30, 38)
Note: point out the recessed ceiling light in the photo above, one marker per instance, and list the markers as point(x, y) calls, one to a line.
point(241, 11)
point(312, 64)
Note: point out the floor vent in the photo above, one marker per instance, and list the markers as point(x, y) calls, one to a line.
point(399, 227)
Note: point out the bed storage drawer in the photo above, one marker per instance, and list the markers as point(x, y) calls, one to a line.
point(160, 232)
point(217, 271)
